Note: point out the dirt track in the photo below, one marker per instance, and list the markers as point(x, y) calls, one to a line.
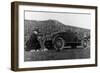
point(78, 53)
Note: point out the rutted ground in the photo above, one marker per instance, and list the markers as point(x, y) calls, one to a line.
point(67, 53)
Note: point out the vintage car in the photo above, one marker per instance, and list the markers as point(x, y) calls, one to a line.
point(57, 40)
point(61, 40)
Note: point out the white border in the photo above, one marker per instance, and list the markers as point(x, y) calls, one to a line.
point(33, 64)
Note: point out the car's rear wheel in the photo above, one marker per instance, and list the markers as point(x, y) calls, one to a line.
point(84, 43)
point(59, 43)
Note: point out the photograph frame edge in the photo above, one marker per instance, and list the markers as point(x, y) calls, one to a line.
point(14, 36)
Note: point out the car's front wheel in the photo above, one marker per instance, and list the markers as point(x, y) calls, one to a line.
point(59, 43)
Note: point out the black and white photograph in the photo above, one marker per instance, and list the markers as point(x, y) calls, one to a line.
point(56, 35)
point(53, 36)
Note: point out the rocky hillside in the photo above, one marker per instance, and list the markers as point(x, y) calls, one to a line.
point(48, 26)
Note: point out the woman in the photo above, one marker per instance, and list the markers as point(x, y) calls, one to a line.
point(33, 42)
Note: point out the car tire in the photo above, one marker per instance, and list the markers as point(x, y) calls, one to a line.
point(84, 43)
point(59, 43)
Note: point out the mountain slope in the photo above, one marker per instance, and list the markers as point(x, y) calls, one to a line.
point(49, 26)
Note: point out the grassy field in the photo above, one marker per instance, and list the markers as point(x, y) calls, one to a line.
point(67, 53)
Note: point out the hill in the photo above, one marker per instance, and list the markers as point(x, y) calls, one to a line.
point(48, 26)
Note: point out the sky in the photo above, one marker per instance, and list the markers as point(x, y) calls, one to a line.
point(74, 19)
